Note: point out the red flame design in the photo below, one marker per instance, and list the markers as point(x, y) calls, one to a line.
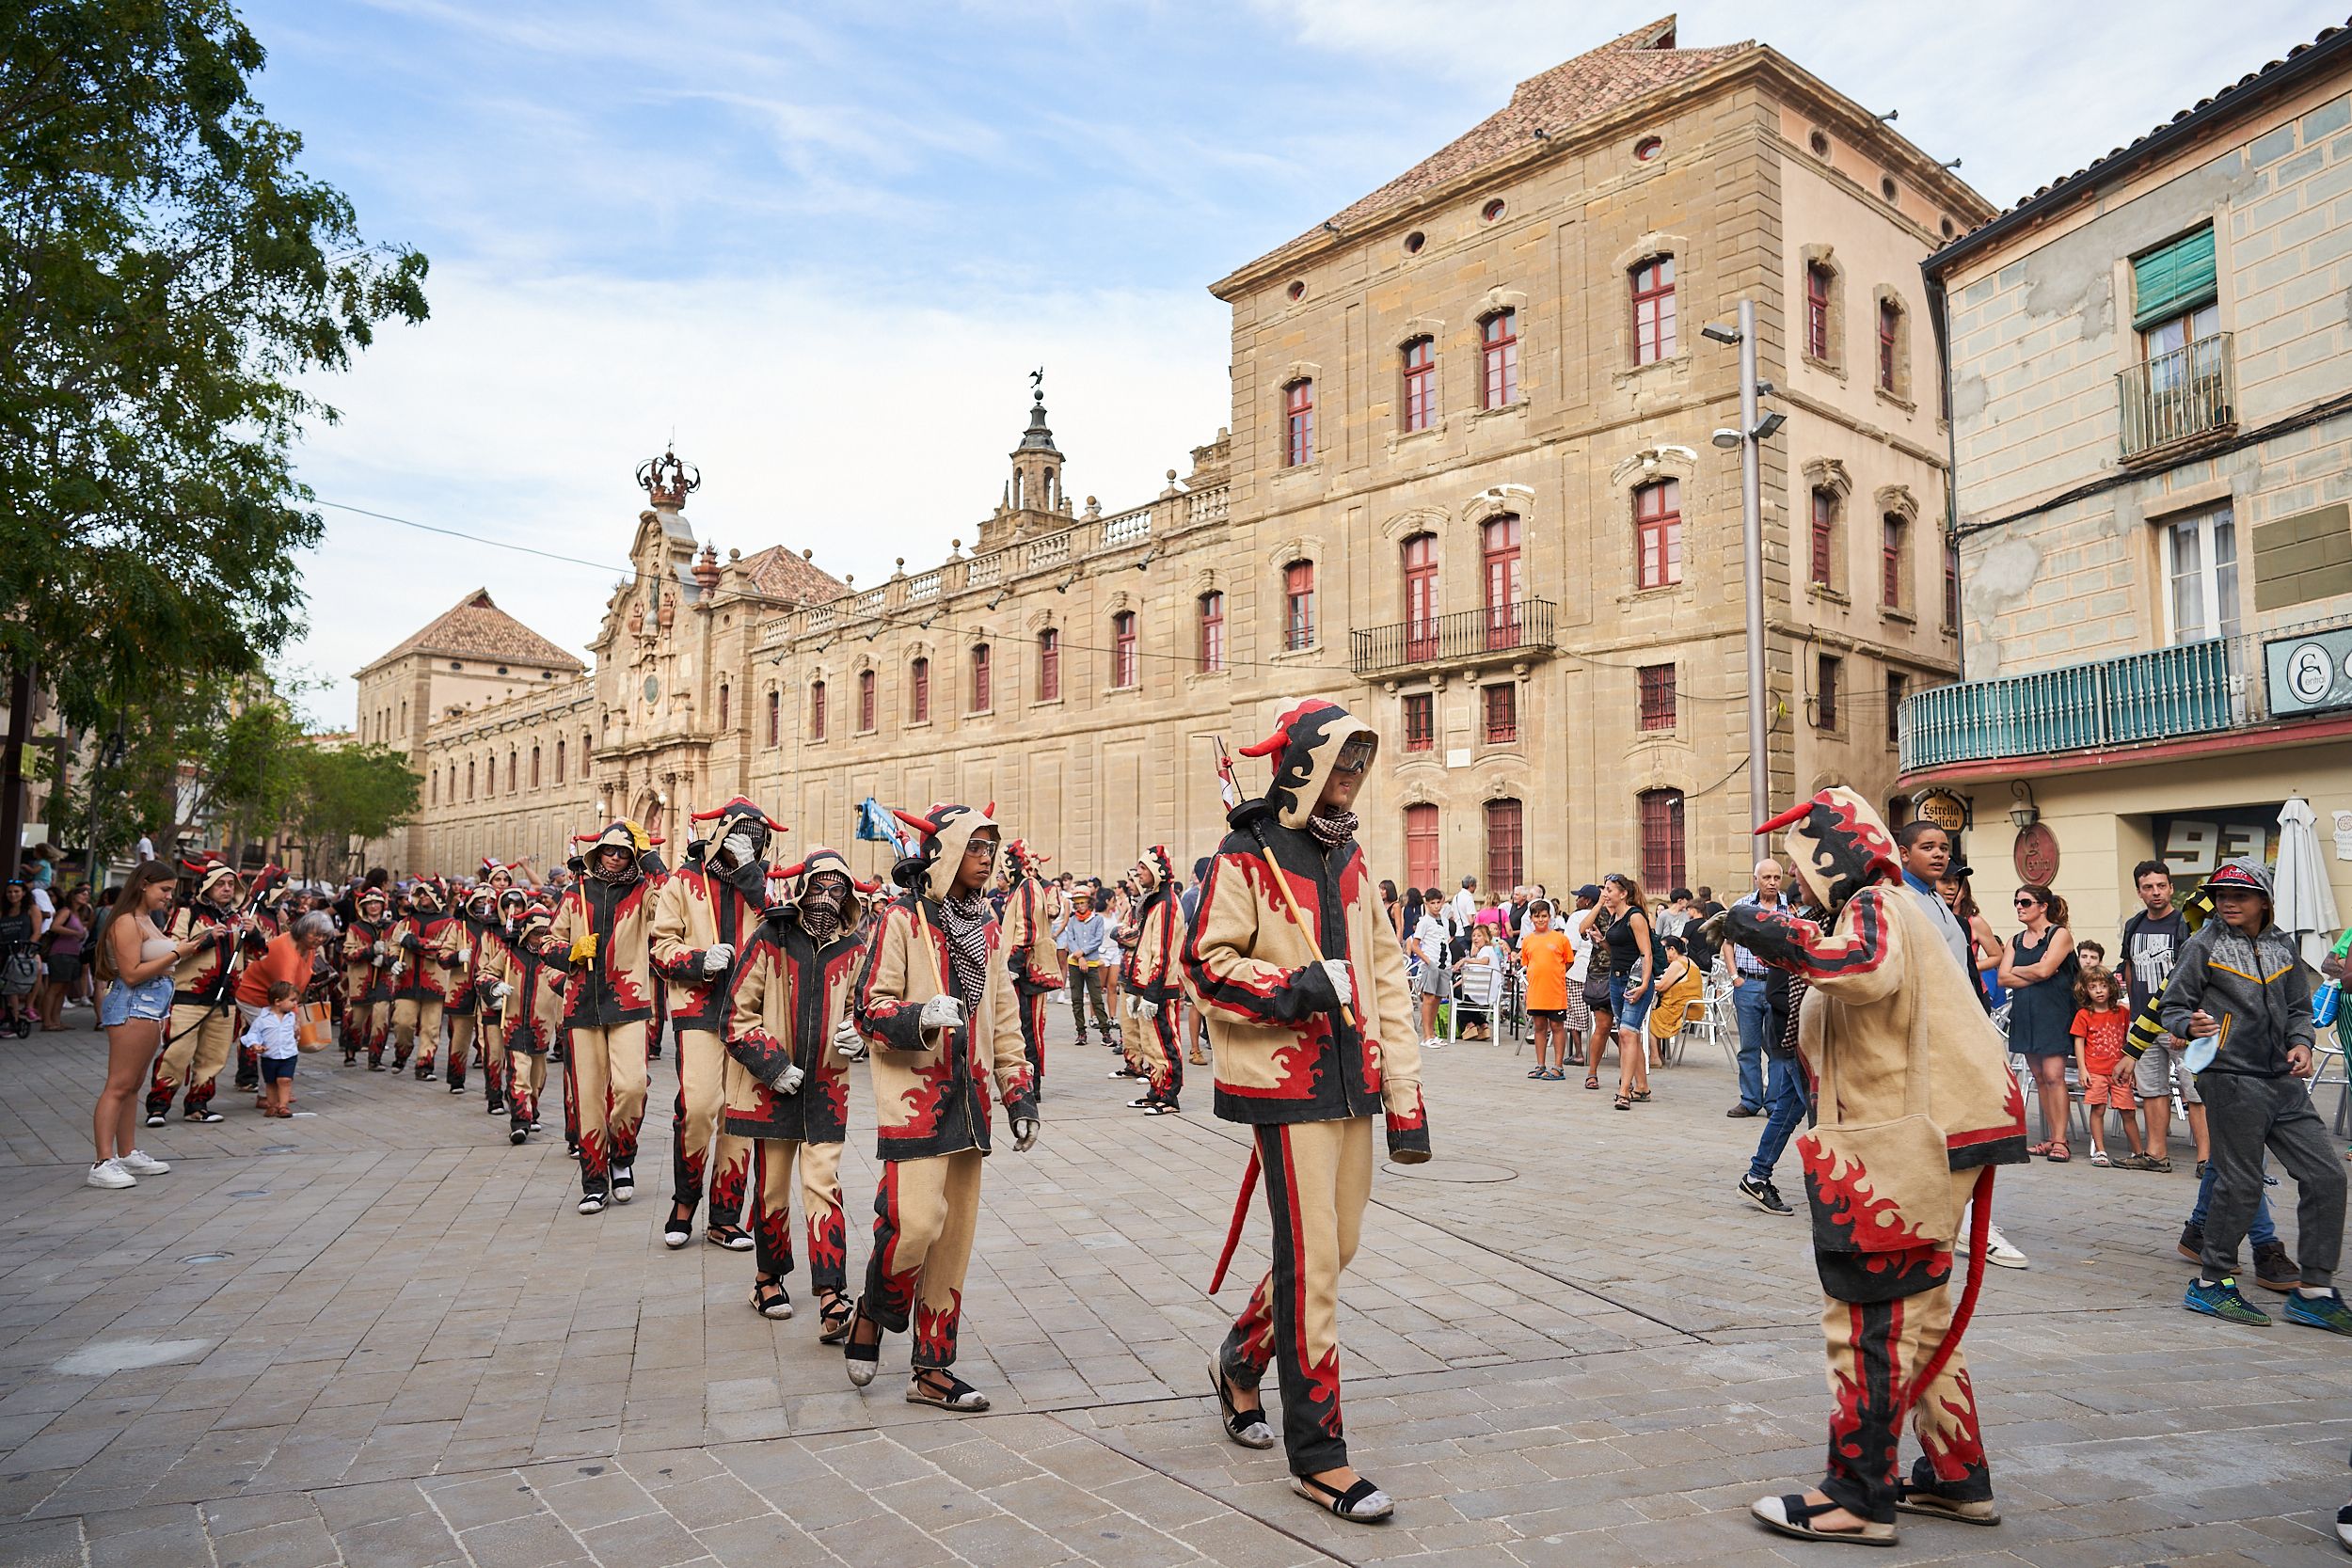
point(828, 1241)
point(1948, 1433)
point(1876, 1224)
point(935, 1330)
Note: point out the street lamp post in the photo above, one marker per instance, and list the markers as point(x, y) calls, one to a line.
point(1754, 428)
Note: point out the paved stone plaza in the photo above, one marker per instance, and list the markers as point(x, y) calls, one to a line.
point(381, 1336)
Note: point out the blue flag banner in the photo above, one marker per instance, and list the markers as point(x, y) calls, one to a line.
point(877, 826)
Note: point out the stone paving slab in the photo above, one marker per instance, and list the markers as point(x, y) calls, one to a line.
point(380, 1334)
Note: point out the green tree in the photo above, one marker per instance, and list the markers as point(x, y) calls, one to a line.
point(167, 275)
point(349, 795)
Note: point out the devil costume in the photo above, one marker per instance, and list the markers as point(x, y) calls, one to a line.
point(1153, 975)
point(703, 917)
point(1030, 955)
point(790, 1041)
point(601, 927)
point(940, 1010)
point(1914, 1107)
point(367, 980)
point(530, 984)
point(204, 1029)
point(430, 948)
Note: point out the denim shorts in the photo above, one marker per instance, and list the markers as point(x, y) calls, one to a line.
point(150, 1000)
point(1626, 1013)
point(275, 1067)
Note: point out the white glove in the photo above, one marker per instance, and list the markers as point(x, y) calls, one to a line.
point(847, 1043)
point(1025, 1135)
point(717, 956)
point(738, 845)
point(1147, 1010)
point(787, 1082)
point(381, 951)
point(1337, 970)
point(499, 992)
point(942, 1012)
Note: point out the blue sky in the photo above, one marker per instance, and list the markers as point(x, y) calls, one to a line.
point(825, 244)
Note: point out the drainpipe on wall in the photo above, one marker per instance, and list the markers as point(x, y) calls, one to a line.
point(1938, 305)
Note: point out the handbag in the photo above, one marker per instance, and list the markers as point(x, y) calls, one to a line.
point(20, 974)
point(314, 1025)
point(1881, 1186)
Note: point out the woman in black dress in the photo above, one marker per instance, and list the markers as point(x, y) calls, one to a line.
point(2037, 968)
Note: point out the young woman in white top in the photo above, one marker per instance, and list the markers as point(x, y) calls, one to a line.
point(138, 960)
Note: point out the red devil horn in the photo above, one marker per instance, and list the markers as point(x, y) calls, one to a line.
point(773, 826)
point(1784, 818)
point(706, 815)
point(784, 872)
point(923, 824)
point(864, 887)
point(989, 810)
point(1270, 745)
point(652, 839)
point(586, 838)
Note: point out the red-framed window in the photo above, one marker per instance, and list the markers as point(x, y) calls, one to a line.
point(1498, 358)
point(1212, 619)
point(1298, 424)
point(1298, 605)
point(1658, 696)
point(722, 708)
point(1823, 555)
point(1658, 533)
point(1816, 285)
point(982, 696)
point(1048, 665)
point(1501, 711)
point(868, 688)
point(1421, 597)
point(1421, 847)
point(1832, 674)
point(775, 720)
point(1123, 648)
point(1664, 860)
point(1654, 310)
point(1421, 722)
point(1507, 855)
point(817, 710)
point(559, 762)
point(1501, 570)
point(1890, 329)
point(919, 691)
point(1891, 537)
point(1420, 383)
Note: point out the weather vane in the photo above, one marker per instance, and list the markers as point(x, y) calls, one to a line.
point(1037, 384)
point(667, 480)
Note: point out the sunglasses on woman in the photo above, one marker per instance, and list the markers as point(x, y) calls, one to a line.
point(2029, 903)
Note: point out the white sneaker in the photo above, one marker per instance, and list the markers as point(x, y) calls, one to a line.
point(1998, 1253)
point(139, 1163)
point(109, 1173)
point(1436, 1044)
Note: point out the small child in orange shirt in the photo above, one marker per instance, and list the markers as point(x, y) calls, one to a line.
point(2101, 1022)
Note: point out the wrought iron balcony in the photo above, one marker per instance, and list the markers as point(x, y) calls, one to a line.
point(1467, 637)
point(2174, 397)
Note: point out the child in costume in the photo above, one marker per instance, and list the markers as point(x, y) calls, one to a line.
point(430, 949)
point(602, 929)
point(1153, 979)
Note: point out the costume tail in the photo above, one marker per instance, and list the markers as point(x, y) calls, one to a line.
point(1979, 1239)
point(1241, 1212)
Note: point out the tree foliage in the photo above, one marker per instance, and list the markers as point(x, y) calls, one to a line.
point(349, 795)
point(167, 274)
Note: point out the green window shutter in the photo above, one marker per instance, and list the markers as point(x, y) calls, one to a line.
point(2178, 277)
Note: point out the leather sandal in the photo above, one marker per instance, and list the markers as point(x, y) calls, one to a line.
point(1246, 1427)
point(770, 1299)
point(2059, 1154)
point(1925, 1500)
point(732, 1237)
point(1592, 1080)
point(862, 1361)
point(1791, 1514)
point(1623, 1103)
point(832, 1319)
point(950, 1393)
point(1363, 1503)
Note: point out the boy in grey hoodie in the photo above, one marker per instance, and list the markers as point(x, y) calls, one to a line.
point(2240, 985)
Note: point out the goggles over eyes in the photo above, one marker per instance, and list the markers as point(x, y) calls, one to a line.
point(1356, 755)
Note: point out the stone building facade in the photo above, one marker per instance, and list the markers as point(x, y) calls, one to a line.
point(1468, 489)
point(2150, 366)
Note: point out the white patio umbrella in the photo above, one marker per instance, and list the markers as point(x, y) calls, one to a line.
point(2306, 905)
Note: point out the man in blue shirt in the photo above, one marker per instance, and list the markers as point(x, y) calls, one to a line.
point(1747, 995)
point(1087, 946)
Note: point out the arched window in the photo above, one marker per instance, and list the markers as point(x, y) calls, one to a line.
point(1211, 616)
point(865, 701)
point(722, 708)
point(1421, 597)
point(433, 788)
point(1664, 864)
point(559, 761)
point(1421, 847)
point(983, 693)
point(817, 710)
point(919, 691)
point(1048, 666)
point(1499, 556)
point(1507, 855)
point(534, 767)
point(1658, 534)
point(469, 778)
point(1498, 358)
point(1298, 605)
point(1298, 424)
point(514, 772)
point(1420, 383)
point(1654, 310)
point(1123, 649)
point(775, 717)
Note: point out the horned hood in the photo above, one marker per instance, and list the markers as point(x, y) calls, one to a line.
point(1838, 844)
point(625, 834)
point(942, 833)
point(785, 883)
point(1305, 743)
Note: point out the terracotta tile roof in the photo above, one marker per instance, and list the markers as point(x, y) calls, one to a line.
point(781, 574)
point(2123, 159)
point(476, 628)
point(1616, 74)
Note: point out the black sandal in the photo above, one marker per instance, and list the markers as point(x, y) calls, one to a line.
point(832, 1319)
point(1246, 1427)
point(1790, 1514)
point(732, 1237)
point(1624, 1103)
point(1592, 1080)
point(1363, 1503)
point(862, 1361)
point(770, 1299)
point(958, 1395)
point(681, 1228)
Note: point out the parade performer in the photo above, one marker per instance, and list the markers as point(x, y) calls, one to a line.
point(1914, 1107)
point(367, 979)
point(530, 988)
point(939, 1009)
point(494, 958)
point(602, 928)
point(1153, 975)
point(428, 944)
point(790, 1041)
point(1030, 955)
point(703, 917)
point(1302, 981)
point(204, 1025)
point(469, 1021)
